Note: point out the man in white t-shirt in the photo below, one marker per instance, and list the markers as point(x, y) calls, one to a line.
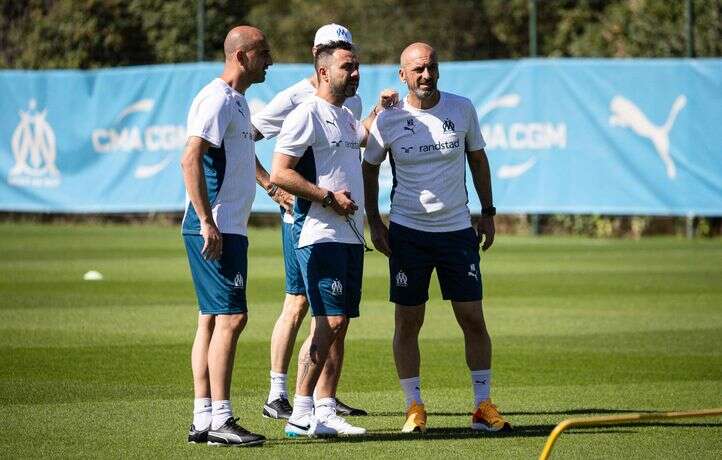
point(429, 137)
point(317, 158)
point(219, 168)
point(267, 124)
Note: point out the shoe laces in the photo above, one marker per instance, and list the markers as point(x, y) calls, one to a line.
point(488, 410)
point(233, 423)
point(285, 405)
point(336, 420)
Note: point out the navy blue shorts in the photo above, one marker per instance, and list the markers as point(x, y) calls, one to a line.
point(220, 284)
point(332, 273)
point(294, 278)
point(415, 254)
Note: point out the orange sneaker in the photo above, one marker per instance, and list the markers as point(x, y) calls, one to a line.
point(488, 418)
point(415, 419)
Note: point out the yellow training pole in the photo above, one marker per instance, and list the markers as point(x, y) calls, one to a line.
point(618, 419)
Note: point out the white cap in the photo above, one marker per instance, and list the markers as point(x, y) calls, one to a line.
point(332, 33)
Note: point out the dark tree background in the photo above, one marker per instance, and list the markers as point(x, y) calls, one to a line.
point(38, 34)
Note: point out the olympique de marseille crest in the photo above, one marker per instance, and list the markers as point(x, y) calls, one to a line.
point(336, 287)
point(34, 149)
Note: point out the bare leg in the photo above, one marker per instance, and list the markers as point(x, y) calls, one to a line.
point(331, 372)
point(285, 331)
point(222, 352)
point(199, 356)
point(313, 354)
point(477, 342)
point(406, 340)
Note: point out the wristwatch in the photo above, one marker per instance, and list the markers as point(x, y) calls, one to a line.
point(488, 212)
point(328, 199)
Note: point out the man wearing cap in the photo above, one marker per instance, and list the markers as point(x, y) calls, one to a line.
point(430, 137)
point(267, 124)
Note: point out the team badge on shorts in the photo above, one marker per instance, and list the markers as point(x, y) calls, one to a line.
point(336, 287)
point(238, 281)
point(401, 279)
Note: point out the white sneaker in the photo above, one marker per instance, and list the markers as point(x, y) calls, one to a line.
point(340, 426)
point(300, 426)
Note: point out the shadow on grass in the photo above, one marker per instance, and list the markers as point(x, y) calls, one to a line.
point(438, 433)
point(519, 431)
point(589, 411)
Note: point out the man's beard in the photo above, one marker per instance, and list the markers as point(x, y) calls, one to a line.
point(425, 93)
point(343, 89)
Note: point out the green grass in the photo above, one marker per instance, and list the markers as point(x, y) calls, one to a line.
point(580, 327)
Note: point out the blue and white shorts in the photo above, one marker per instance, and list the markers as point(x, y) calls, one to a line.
point(332, 273)
point(220, 284)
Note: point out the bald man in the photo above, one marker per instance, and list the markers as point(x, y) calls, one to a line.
point(219, 171)
point(429, 137)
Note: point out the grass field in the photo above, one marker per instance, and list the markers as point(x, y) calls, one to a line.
point(580, 327)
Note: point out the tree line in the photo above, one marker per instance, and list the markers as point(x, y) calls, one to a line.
point(46, 34)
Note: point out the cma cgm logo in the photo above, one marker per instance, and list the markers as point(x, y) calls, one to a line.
point(124, 137)
point(539, 135)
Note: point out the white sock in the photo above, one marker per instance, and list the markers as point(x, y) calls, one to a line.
point(302, 406)
point(481, 382)
point(202, 413)
point(412, 390)
point(324, 407)
point(222, 411)
point(278, 386)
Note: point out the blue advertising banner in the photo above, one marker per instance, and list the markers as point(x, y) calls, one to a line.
point(563, 136)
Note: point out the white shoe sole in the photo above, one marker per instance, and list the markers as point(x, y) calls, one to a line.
point(245, 444)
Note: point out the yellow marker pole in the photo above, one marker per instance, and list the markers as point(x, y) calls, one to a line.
point(618, 419)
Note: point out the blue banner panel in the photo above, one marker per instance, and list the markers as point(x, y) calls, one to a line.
point(563, 136)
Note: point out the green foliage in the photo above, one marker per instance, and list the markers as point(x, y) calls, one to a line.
point(105, 33)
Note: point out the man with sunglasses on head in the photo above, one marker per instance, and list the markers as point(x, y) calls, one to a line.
point(317, 159)
point(267, 124)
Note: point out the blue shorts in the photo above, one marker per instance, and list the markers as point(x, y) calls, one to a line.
point(332, 273)
point(294, 279)
point(220, 284)
point(415, 254)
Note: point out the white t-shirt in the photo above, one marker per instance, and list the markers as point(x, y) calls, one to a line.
point(428, 160)
point(269, 120)
point(327, 140)
point(220, 115)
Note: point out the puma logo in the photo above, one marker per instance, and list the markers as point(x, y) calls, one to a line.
point(628, 115)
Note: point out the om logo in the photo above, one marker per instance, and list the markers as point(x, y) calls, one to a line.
point(33, 146)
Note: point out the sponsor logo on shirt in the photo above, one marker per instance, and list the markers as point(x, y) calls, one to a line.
point(440, 146)
point(347, 144)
